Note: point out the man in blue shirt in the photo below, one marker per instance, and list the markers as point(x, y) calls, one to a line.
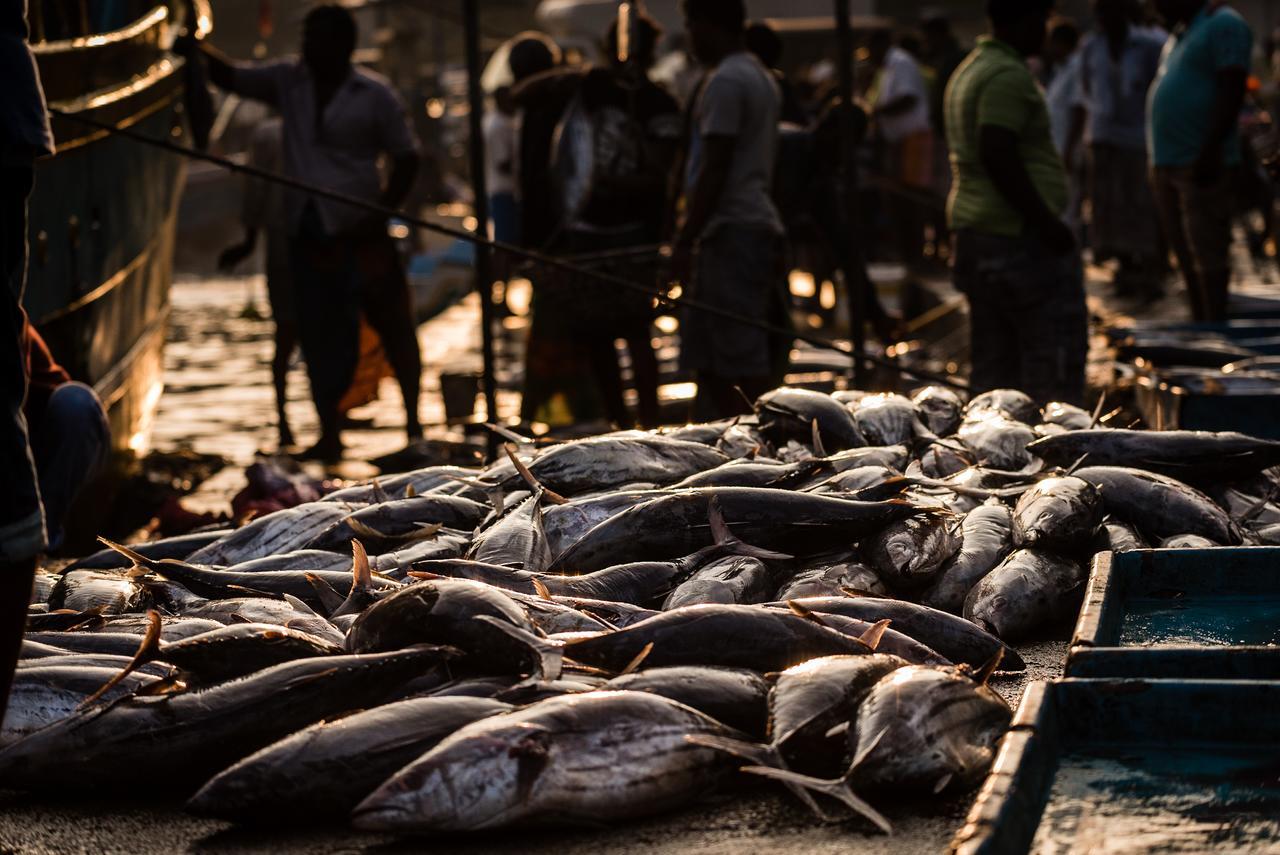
point(1192, 141)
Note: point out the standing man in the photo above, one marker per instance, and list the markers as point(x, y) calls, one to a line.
point(1192, 140)
point(1014, 257)
point(24, 136)
point(1117, 66)
point(339, 121)
point(728, 250)
point(901, 115)
point(1061, 76)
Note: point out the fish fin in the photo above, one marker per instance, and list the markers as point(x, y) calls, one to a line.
point(89, 616)
point(872, 636)
point(163, 686)
point(759, 754)
point(329, 598)
point(510, 435)
point(148, 650)
point(534, 484)
point(751, 405)
point(1097, 411)
point(368, 532)
point(141, 564)
point(410, 492)
point(818, 450)
point(254, 592)
point(361, 574)
point(423, 574)
point(865, 751)
point(378, 492)
point(634, 664)
point(550, 653)
point(838, 789)
point(493, 492)
point(942, 783)
point(858, 592)
point(597, 616)
point(728, 543)
point(983, 674)
point(300, 605)
point(801, 611)
point(840, 728)
point(542, 590)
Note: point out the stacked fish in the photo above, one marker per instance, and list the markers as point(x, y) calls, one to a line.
point(615, 626)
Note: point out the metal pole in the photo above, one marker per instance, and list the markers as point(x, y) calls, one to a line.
point(484, 280)
point(855, 272)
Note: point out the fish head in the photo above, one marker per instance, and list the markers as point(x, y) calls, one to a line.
point(476, 779)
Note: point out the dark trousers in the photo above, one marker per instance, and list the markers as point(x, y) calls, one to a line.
point(1027, 316)
point(336, 277)
point(22, 532)
point(1197, 221)
point(71, 441)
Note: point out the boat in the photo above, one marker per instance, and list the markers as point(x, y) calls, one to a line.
point(104, 207)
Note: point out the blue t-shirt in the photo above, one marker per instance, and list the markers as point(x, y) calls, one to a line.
point(1185, 87)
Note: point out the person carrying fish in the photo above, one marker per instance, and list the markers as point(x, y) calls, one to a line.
point(1013, 256)
point(729, 249)
point(339, 121)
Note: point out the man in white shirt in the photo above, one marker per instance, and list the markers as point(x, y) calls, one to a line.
point(339, 122)
point(900, 110)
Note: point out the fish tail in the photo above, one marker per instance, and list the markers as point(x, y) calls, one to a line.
point(727, 543)
point(141, 563)
point(761, 755)
point(839, 789)
point(148, 651)
point(530, 479)
point(329, 598)
point(550, 654)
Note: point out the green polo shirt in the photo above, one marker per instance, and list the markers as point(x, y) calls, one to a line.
point(993, 86)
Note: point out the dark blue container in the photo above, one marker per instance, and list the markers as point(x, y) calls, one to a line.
point(1181, 613)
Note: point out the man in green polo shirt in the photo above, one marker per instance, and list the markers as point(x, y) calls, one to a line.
point(1013, 256)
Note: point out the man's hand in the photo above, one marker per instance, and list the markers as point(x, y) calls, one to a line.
point(231, 257)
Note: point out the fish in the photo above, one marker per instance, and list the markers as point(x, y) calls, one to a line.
point(1028, 593)
point(109, 590)
point(727, 636)
point(887, 419)
point(986, 538)
point(274, 533)
point(211, 583)
point(736, 697)
point(758, 472)
point(998, 441)
point(672, 526)
point(517, 539)
point(451, 611)
point(907, 555)
point(1187, 541)
point(1058, 514)
point(790, 413)
point(47, 693)
point(179, 546)
point(956, 638)
point(1160, 506)
point(942, 461)
point(239, 650)
point(1118, 536)
point(298, 559)
point(939, 408)
point(859, 478)
point(395, 487)
point(830, 580)
point(447, 543)
point(171, 744)
point(1068, 416)
point(579, 759)
point(391, 525)
point(288, 612)
point(325, 770)
point(566, 524)
point(732, 579)
point(601, 463)
point(1008, 403)
point(1190, 456)
point(639, 582)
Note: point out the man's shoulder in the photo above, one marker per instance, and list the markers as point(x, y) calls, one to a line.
point(1227, 19)
point(373, 81)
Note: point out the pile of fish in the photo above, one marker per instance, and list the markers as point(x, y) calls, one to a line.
point(606, 628)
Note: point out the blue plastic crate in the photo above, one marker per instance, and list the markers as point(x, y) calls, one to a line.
point(1180, 613)
point(1167, 406)
point(1133, 766)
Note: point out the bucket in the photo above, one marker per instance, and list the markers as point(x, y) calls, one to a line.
point(459, 390)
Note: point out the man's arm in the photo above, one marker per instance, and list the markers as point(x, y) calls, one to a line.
point(404, 168)
point(897, 106)
point(708, 186)
point(998, 151)
point(1229, 98)
point(250, 80)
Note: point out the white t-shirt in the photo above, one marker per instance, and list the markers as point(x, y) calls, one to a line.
point(500, 143)
point(901, 76)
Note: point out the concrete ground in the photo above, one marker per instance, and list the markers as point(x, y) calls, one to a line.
point(752, 820)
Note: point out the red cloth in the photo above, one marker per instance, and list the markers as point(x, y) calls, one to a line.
point(43, 373)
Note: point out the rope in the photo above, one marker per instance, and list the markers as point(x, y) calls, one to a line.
point(529, 254)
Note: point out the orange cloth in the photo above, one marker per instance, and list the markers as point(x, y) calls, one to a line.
point(370, 370)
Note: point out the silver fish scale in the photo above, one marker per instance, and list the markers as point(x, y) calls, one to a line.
point(281, 531)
